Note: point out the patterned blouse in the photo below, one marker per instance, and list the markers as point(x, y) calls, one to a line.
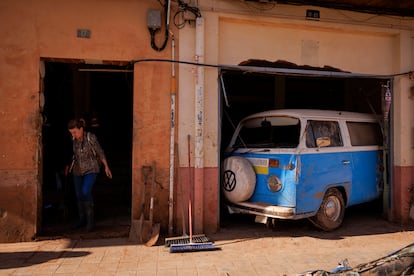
point(87, 155)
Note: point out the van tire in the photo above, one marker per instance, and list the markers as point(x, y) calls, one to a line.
point(331, 211)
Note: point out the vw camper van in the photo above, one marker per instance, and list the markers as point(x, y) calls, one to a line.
point(294, 164)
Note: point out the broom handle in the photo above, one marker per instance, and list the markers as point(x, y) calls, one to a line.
point(190, 215)
point(180, 187)
point(190, 222)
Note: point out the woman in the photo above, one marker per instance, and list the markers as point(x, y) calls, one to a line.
point(87, 155)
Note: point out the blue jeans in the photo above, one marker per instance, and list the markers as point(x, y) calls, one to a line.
point(83, 186)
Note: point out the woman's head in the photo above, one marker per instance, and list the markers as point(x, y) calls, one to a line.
point(76, 128)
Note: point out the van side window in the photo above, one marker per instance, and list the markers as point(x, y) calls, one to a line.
point(364, 133)
point(323, 134)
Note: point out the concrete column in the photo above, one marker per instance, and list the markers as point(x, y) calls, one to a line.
point(403, 131)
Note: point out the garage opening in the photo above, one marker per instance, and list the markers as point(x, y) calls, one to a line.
point(103, 96)
point(245, 92)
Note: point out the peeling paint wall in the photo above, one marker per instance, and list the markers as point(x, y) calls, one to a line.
point(20, 122)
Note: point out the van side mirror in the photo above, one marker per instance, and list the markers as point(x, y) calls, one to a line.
point(323, 142)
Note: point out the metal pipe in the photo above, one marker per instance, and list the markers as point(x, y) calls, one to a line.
point(391, 155)
point(172, 141)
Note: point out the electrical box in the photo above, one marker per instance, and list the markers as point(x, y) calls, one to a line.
point(313, 14)
point(83, 33)
point(154, 19)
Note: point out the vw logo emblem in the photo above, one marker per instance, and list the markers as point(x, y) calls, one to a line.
point(229, 181)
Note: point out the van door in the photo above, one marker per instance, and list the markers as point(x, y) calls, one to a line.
point(365, 138)
point(325, 163)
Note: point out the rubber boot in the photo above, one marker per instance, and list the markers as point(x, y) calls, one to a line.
point(82, 217)
point(89, 216)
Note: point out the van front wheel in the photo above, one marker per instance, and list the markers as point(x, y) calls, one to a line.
point(331, 212)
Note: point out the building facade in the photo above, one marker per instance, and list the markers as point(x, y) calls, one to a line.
point(176, 108)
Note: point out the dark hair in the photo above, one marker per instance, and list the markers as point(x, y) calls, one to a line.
point(76, 123)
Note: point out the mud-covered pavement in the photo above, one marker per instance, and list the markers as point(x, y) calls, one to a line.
point(246, 248)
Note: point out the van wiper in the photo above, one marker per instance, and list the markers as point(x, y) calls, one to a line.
point(233, 149)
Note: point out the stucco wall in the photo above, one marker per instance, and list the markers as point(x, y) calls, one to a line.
point(306, 44)
point(19, 90)
point(32, 30)
point(234, 31)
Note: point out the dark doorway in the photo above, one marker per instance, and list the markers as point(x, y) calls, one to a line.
point(247, 93)
point(103, 96)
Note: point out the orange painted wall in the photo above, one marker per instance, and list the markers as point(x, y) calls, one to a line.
point(32, 30)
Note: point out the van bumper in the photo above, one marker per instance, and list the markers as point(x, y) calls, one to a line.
point(265, 209)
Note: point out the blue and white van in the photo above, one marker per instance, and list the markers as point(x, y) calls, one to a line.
point(294, 164)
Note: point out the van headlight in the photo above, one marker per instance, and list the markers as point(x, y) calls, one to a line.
point(274, 184)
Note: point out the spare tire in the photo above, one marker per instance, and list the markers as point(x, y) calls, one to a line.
point(239, 179)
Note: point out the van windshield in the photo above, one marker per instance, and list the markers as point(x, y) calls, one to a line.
point(269, 132)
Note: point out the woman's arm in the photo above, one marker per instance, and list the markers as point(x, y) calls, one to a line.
point(101, 154)
point(107, 169)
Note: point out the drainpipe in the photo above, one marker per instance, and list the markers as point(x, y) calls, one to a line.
point(199, 131)
point(172, 140)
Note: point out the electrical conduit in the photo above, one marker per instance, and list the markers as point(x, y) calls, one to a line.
point(172, 141)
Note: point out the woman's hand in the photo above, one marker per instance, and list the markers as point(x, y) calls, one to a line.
point(107, 169)
point(108, 172)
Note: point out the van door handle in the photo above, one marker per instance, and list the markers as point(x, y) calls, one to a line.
point(346, 162)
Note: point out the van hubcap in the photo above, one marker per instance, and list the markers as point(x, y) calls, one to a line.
point(332, 208)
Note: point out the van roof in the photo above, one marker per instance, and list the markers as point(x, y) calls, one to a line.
point(317, 114)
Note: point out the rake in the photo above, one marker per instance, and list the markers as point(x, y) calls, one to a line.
point(192, 246)
point(184, 238)
point(189, 245)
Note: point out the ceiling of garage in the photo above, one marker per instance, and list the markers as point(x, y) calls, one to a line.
point(388, 7)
